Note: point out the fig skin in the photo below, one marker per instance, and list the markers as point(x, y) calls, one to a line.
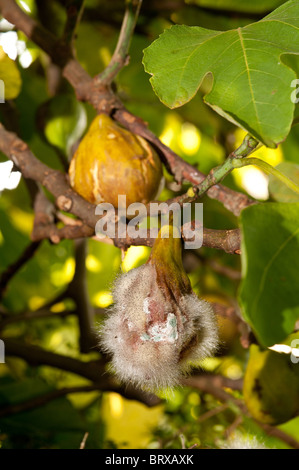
point(112, 161)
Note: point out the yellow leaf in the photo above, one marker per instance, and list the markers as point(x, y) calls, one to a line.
point(129, 424)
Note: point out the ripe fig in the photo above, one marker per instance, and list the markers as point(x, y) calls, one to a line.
point(158, 325)
point(112, 161)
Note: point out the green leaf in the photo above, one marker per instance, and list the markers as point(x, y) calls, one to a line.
point(251, 86)
point(10, 75)
point(279, 191)
point(254, 6)
point(271, 386)
point(269, 294)
point(290, 147)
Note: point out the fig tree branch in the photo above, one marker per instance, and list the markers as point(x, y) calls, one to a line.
point(54, 181)
point(42, 400)
point(39, 314)
point(226, 240)
point(218, 173)
point(94, 370)
point(74, 11)
point(69, 201)
point(34, 355)
point(77, 290)
point(183, 171)
point(102, 98)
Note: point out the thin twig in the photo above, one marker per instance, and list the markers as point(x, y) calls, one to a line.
point(234, 425)
point(227, 271)
point(42, 400)
point(77, 290)
point(83, 442)
point(218, 173)
point(120, 56)
point(74, 11)
point(215, 411)
point(94, 370)
point(8, 274)
point(103, 99)
point(40, 314)
point(183, 441)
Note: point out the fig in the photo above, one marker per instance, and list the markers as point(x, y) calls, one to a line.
point(158, 326)
point(112, 161)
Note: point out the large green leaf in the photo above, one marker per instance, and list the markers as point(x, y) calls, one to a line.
point(269, 293)
point(251, 86)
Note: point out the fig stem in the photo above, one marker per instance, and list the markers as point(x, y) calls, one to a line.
point(217, 174)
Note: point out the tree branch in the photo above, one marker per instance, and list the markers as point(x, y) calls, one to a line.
point(34, 355)
point(42, 400)
point(43, 38)
point(74, 11)
point(77, 290)
point(103, 100)
point(69, 201)
point(232, 200)
point(32, 315)
point(53, 180)
point(92, 370)
point(225, 240)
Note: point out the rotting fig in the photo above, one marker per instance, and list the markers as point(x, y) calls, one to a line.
point(157, 325)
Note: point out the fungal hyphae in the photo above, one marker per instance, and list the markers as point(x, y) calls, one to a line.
point(158, 326)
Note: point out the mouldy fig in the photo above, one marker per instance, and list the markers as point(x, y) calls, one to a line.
point(157, 324)
point(112, 161)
